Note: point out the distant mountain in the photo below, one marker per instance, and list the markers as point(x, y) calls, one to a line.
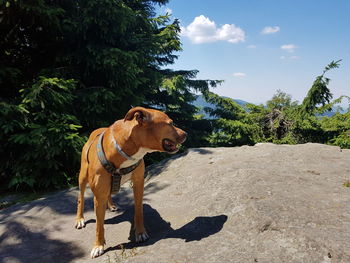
point(240, 102)
point(201, 103)
point(334, 111)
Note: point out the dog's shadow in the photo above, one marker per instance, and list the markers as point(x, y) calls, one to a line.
point(158, 228)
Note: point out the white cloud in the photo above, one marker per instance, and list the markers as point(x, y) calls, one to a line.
point(239, 74)
point(290, 47)
point(169, 11)
point(203, 30)
point(251, 46)
point(290, 57)
point(268, 30)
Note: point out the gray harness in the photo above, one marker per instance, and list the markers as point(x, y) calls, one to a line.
point(116, 173)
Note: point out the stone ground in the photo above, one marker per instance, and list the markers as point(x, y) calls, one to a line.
point(263, 203)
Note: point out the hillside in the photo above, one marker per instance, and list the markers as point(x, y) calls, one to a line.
point(201, 103)
point(262, 203)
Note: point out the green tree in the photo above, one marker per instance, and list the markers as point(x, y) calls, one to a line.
point(232, 125)
point(68, 67)
point(319, 94)
point(337, 127)
point(175, 96)
point(40, 141)
point(282, 120)
point(278, 118)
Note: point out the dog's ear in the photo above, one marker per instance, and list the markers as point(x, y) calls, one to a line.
point(141, 114)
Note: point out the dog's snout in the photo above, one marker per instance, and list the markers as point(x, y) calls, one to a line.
point(182, 137)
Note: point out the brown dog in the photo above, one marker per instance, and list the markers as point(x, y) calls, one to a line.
point(141, 131)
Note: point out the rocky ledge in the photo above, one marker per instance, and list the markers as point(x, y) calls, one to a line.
point(262, 203)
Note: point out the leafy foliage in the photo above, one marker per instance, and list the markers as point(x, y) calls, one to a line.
point(41, 144)
point(337, 129)
point(233, 126)
point(319, 92)
point(69, 67)
point(282, 120)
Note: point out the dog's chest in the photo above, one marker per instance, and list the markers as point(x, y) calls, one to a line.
point(137, 156)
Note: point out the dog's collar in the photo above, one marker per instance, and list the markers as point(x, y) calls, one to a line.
point(110, 166)
point(119, 149)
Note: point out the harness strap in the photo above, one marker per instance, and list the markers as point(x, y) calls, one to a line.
point(102, 157)
point(115, 172)
point(88, 149)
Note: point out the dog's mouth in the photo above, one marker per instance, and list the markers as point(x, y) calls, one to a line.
point(170, 146)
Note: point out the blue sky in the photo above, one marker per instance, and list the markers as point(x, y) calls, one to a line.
point(260, 46)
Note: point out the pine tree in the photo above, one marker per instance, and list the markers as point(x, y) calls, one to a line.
point(69, 67)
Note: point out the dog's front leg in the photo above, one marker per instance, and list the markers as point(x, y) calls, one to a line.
point(101, 189)
point(138, 185)
point(100, 209)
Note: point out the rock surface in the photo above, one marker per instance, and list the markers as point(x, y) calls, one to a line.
point(265, 203)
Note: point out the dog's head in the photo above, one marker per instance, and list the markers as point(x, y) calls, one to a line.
point(154, 130)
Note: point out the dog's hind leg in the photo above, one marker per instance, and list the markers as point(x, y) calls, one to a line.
point(83, 178)
point(111, 206)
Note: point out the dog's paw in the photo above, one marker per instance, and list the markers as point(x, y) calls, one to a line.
point(112, 208)
point(142, 237)
point(79, 223)
point(96, 251)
